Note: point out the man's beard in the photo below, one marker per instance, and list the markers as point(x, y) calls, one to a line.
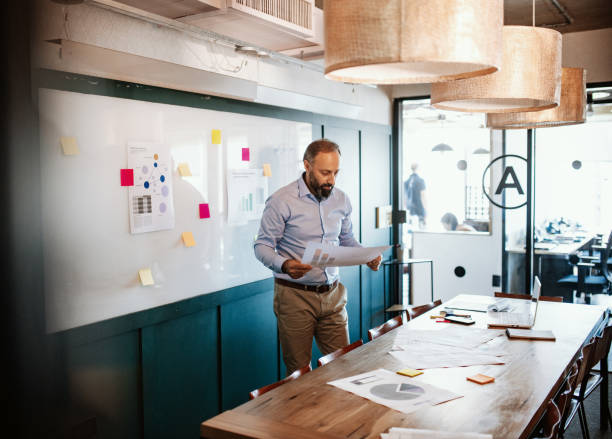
point(320, 191)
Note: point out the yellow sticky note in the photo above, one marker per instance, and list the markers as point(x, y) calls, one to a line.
point(146, 277)
point(410, 372)
point(69, 145)
point(216, 137)
point(184, 170)
point(267, 170)
point(188, 239)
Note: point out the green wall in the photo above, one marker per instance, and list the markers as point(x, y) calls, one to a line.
point(160, 372)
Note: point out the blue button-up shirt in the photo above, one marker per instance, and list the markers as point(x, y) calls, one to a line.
point(293, 217)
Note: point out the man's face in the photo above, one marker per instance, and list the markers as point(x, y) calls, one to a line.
point(321, 173)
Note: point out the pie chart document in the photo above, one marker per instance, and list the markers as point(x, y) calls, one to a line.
point(394, 391)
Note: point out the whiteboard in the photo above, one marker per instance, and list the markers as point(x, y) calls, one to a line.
point(91, 260)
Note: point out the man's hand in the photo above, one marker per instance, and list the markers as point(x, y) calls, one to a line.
point(375, 263)
point(295, 268)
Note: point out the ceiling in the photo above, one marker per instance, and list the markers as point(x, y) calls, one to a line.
point(562, 15)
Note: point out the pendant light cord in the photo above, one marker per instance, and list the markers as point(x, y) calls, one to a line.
point(533, 12)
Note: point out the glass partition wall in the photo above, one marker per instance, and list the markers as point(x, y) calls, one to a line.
point(477, 247)
point(573, 203)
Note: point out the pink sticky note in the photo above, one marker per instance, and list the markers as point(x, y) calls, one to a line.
point(245, 154)
point(127, 177)
point(204, 211)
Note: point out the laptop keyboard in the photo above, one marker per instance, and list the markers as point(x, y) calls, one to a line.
point(510, 318)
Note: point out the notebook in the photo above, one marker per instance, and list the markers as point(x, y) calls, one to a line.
point(522, 317)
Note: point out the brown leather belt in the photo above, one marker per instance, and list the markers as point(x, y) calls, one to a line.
point(323, 288)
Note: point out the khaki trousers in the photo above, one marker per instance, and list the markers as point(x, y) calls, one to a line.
point(302, 315)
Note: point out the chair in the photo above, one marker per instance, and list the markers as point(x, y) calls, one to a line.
point(340, 352)
point(415, 311)
point(513, 296)
point(298, 373)
point(551, 298)
point(528, 297)
point(551, 422)
point(592, 379)
point(563, 399)
point(584, 281)
point(385, 327)
point(576, 405)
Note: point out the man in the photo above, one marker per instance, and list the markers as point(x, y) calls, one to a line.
point(308, 301)
point(414, 195)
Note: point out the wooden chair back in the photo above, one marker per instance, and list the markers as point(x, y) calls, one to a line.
point(415, 311)
point(551, 422)
point(588, 352)
point(563, 399)
point(298, 373)
point(513, 296)
point(385, 327)
point(602, 346)
point(340, 352)
point(551, 298)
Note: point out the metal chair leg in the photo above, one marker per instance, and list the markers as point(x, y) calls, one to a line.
point(583, 420)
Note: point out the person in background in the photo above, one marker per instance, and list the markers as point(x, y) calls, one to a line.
point(449, 221)
point(414, 196)
point(308, 301)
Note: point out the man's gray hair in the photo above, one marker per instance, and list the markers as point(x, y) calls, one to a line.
point(321, 145)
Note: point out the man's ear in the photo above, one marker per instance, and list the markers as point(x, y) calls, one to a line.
point(307, 165)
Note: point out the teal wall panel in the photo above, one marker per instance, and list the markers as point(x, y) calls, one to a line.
point(375, 192)
point(102, 379)
point(249, 347)
point(180, 386)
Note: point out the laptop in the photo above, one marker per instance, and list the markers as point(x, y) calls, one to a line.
point(522, 316)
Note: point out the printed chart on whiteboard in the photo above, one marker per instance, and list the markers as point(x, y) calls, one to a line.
point(247, 191)
point(150, 198)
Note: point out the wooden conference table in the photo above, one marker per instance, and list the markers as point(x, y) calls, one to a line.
point(508, 408)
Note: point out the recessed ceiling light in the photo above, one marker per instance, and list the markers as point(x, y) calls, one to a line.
point(601, 94)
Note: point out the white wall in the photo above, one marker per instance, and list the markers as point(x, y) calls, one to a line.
point(591, 50)
point(272, 82)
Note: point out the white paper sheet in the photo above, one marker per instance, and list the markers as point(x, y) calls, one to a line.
point(394, 391)
point(318, 254)
point(247, 191)
point(413, 433)
point(150, 201)
point(458, 336)
point(429, 356)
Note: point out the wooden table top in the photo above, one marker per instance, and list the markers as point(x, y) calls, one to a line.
point(508, 408)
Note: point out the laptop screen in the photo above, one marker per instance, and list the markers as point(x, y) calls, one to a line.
point(537, 286)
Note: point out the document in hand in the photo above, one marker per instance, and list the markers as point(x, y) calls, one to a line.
point(318, 254)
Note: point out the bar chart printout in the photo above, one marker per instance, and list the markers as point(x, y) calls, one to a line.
point(325, 255)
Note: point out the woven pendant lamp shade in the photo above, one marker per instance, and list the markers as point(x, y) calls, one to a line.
point(571, 109)
point(529, 79)
point(412, 41)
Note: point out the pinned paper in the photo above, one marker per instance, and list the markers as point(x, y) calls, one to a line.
point(246, 154)
point(69, 145)
point(481, 379)
point(216, 137)
point(184, 170)
point(127, 177)
point(188, 239)
point(410, 372)
point(267, 170)
point(146, 277)
point(204, 211)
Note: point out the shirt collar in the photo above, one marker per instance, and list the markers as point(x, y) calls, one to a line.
point(303, 190)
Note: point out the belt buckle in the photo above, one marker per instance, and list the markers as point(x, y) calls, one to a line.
point(318, 288)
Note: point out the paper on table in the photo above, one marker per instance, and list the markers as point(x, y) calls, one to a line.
point(324, 255)
point(413, 433)
point(459, 336)
point(430, 356)
point(394, 391)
